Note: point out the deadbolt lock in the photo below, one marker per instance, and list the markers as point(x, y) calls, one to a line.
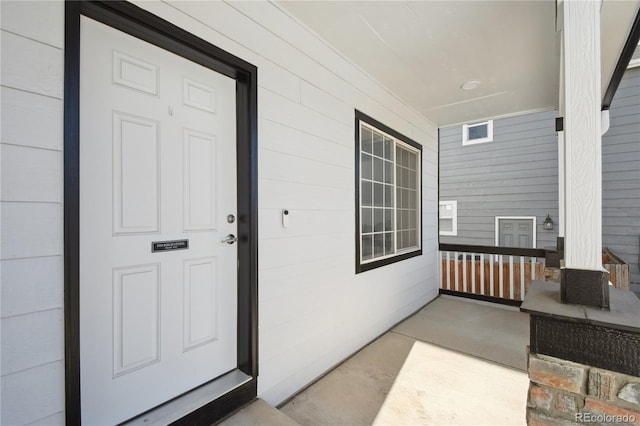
point(231, 218)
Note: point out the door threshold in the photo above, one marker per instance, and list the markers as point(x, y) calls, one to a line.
point(185, 404)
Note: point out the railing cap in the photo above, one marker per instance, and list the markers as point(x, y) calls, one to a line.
point(509, 251)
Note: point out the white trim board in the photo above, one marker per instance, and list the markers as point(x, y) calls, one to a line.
point(535, 226)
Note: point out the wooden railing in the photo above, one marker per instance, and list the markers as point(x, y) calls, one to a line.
point(618, 269)
point(492, 272)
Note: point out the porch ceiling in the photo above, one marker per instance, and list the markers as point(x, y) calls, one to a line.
point(423, 51)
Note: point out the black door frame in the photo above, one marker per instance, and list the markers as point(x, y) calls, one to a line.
point(141, 24)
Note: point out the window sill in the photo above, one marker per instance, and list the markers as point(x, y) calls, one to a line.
point(363, 267)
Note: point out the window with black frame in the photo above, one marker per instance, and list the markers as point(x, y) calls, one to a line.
point(388, 195)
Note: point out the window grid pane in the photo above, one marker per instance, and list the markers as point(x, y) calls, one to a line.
point(366, 166)
point(366, 138)
point(406, 199)
point(378, 145)
point(389, 212)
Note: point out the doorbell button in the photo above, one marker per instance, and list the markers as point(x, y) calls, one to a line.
point(285, 218)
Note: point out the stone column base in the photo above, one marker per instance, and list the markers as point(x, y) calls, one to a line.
point(568, 393)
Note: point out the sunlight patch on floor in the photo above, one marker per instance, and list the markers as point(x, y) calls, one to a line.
point(437, 386)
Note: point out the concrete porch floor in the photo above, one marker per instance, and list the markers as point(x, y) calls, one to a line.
point(454, 362)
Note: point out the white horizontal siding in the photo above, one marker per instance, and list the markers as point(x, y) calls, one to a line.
point(31, 230)
point(33, 394)
point(282, 252)
point(53, 420)
point(31, 66)
point(306, 223)
point(319, 100)
point(31, 175)
point(279, 195)
point(32, 373)
point(314, 309)
point(20, 110)
point(295, 142)
point(290, 168)
point(282, 110)
point(41, 345)
point(31, 285)
point(278, 281)
point(36, 20)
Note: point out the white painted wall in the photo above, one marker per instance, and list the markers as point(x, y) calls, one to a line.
point(314, 309)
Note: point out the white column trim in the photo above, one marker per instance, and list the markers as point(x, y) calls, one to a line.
point(582, 135)
point(605, 121)
point(561, 185)
point(561, 112)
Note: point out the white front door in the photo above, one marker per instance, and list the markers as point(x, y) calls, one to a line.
point(158, 287)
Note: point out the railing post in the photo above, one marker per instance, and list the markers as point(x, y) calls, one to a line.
point(464, 273)
point(473, 273)
point(501, 275)
point(482, 274)
point(456, 272)
point(440, 269)
point(448, 271)
point(491, 278)
point(511, 290)
point(522, 275)
point(533, 268)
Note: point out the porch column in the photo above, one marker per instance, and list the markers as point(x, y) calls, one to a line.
point(560, 133)
point(579, 370)
point(583, 280)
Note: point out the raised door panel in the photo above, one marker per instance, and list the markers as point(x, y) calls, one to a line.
point(200, 301)
point(198, 95)
point(136, 318)
point(136, 174)
point(200, 171)
point(507, 240)
point(135, 73)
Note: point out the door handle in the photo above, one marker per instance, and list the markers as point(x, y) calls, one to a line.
point(230, 239)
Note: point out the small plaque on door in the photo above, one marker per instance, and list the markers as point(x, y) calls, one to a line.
point(169, 245)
